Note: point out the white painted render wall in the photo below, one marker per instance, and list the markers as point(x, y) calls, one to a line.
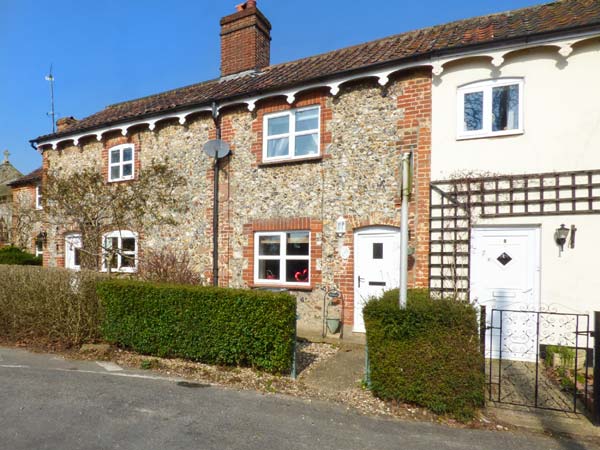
point(561, 133)
point(561, 115)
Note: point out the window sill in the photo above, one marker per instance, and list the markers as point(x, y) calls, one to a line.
point(282, 162)
point(289, 287)
point(490, 135)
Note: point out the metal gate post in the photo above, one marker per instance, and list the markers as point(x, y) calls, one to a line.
point(596, 412)
point(482, 328)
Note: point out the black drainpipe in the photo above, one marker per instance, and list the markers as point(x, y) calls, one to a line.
point(217, 120)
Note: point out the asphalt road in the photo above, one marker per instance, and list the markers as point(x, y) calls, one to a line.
point(51, 403)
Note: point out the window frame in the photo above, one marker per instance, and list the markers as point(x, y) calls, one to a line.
point(121, 148)
point(486, 87)
point(38, 197)
point(291, 134)
point(120, 235)
point(282, 257)
point(72, 244)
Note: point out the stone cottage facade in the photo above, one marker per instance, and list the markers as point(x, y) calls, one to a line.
point(27, 221)
point(8, 173)
point(309, 196)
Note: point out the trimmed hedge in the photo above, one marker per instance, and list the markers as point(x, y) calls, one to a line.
point(49, 306)
point(206, 324)
point(427, 354)
point(16, 256)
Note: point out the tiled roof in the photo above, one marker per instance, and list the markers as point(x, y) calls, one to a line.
point(563, 15)
point(31, 178)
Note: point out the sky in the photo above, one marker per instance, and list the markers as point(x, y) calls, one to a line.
point(108, 51)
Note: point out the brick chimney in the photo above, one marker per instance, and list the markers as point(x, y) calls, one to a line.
point(245, 40)
point(64, 122)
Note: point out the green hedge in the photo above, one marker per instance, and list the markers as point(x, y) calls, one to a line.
point(18, 257)
point(427, 354)
point(206, 324)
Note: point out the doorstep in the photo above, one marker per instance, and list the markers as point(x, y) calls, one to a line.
point(349, 339)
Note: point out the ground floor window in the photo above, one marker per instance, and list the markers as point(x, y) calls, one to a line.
point(73, 251)
point(120, 250)
point(282, 257)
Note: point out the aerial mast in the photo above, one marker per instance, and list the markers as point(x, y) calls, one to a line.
point(52, 113)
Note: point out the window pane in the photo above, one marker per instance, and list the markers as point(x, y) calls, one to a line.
point(127, 261)
point(112, 261)
point(127, 170)
point(127, 154)
point(115, 156)
point(278, 125)
point(505, 108)
point(277, 147)
point(307, 145)
point(269, 269)
point(115, 172)
point(297, 243)
point(128, 245)
point(269, 246)
point(377, 250)
point(297, 271)
point(76, 257)
point(307, 119)
point(473, 114)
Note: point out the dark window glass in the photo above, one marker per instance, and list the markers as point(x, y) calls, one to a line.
point(128, 245)
point(269, 269)
point(473, 113)
point(297, 243)
point(505, 108)
point(77, 257)
point(377, 250)
point(297, 271)
point(268, 246)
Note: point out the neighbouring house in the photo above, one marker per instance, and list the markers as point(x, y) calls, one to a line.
point(310, 194)
point(27, 224)
point(8, 173)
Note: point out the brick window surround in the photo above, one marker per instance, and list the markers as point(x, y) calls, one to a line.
point(314, 226)
point(316, 97)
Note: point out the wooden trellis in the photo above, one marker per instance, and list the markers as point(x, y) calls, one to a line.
point(456, 203)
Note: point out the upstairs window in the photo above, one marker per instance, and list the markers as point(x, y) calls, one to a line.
point(120, 162)
point(38, 197)
point(292, 134)
point(490, 108)
point(120, 251)
point(282, 257)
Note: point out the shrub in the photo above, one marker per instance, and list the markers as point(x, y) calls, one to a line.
point(206, 324)
point(168, 266)
point(16, 256)
point(427, 354)
point(47, 305)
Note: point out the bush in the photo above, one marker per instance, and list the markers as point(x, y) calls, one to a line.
point(48, 306)
point(427, 354)
point(16, 256)
point(206, 324)
point(168, 266)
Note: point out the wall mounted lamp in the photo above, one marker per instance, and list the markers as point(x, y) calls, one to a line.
point(340, 226)
point(560, 237)
point(42, 237)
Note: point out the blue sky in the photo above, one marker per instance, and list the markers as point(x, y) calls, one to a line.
point(106, 51)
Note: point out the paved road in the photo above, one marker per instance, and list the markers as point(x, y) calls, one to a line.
point(51, 403)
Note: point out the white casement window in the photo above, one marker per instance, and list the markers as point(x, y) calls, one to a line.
point(490, 108)
point(120, 250)
point(282, 257)
point(39, 248)
point(121, 162)
point(38, 197)
point(292, 134)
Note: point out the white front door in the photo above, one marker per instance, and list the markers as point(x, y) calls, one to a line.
point(376, 267)
point(505, 275)
point(73, 251)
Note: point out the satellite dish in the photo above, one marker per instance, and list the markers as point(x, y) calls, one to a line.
point(216, 147)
